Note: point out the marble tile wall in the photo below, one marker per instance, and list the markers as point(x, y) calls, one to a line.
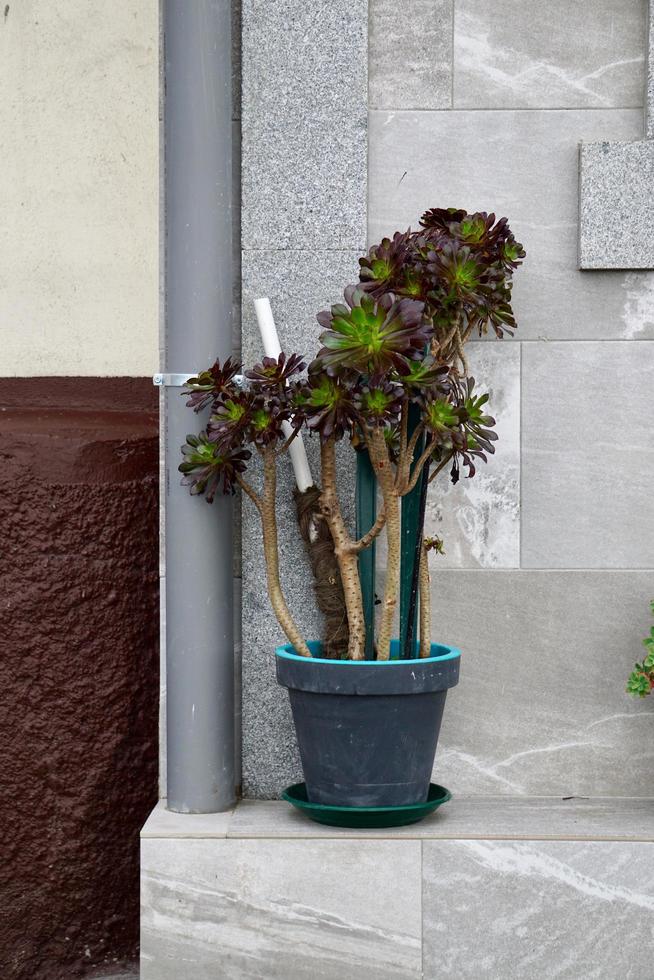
point(482, 106)
point(272, 910)
point(549, 556)
point(261, 898)
point(560, 909)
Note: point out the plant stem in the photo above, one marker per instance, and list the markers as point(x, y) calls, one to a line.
point(345, 553)
point(408, 650)
point(425, 604)
point(271, 552)
point(367, 539)
point(385, 477)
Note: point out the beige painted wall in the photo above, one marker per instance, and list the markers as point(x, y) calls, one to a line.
point(78, 187)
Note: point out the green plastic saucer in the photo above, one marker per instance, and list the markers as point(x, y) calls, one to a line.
point(366, 816)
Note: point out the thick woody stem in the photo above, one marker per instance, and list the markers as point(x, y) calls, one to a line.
point(271, 552)
point(345, 554)
point(384, 471)
point(425, 604)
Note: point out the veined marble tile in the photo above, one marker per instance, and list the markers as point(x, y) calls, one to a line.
point(469, 817)
point(574, 911)
point(304, 105)
point(410, 54)
point(540, 708)
point(549, 53)
point(479, 518)
point(275, 910)
point(524, 165)
point(588, 453)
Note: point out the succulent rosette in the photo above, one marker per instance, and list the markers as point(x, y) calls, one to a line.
point(274, 373)
point(267, 415)
point(477, 425)
point(378, 402)
point(371, 335)
point(385, 264)
point(327, 404)
point(230, 421)
point(208, 467)
point(217, 382)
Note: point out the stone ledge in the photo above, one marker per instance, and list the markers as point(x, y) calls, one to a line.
point(463, 818)
point(487, 887)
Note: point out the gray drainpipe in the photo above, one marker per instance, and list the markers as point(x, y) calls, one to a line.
point(198, 296)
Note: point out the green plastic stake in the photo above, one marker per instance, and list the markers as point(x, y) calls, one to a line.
point(408, 549)
point(366, 514)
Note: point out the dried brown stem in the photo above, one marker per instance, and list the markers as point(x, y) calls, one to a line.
point(417, 470)
point(385, 477)
point(406, 459)
point(368, 538)
point(271, 552)
point(283, 448)
point(404, 428)
point(346, 557)
point(245, 486)
point(440, 466)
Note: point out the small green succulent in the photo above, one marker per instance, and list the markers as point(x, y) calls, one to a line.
point(641, 679)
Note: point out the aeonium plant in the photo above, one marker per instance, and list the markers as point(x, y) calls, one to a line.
point(393, 349)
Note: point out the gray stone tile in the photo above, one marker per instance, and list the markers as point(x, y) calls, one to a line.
point(524, 165)
point(410, 54)
point(566, 910)
point(541, 708)
point(299, 285)
point(304, 109)
point(587, 455)
point(466, 817)
point(262, 910)
point(165, 823)
point(479, 518)
point(649, 103)
point(554, 54)
point(616, 206)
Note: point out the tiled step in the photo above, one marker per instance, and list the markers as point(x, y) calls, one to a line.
point(487, 887)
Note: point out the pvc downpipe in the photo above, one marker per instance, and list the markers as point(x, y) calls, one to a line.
point(198, 315)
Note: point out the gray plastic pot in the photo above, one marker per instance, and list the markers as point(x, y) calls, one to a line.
point(367, 730)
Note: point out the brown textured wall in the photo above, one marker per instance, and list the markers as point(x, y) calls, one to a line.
point(79, 668)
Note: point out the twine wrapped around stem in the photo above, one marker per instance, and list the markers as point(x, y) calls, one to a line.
point(328, 585)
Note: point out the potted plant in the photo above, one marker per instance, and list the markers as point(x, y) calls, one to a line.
point(391, 376)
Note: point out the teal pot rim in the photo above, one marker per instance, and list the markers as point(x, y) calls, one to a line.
point(440, 652)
